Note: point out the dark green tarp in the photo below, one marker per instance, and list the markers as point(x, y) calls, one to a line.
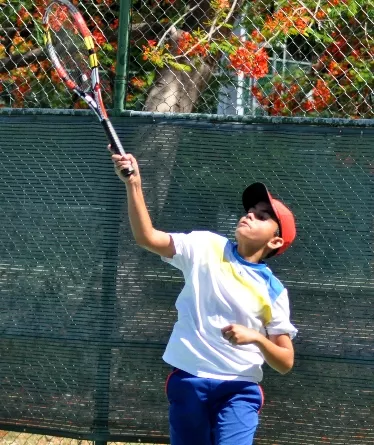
point(85, 314)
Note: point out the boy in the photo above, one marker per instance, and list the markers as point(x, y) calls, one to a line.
point(233, 315)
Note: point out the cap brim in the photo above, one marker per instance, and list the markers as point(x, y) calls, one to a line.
point(254, 194)
point(258, 192)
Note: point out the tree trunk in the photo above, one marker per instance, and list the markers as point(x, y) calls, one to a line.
point(178, 91)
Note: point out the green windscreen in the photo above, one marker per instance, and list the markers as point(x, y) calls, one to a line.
point(85, 314)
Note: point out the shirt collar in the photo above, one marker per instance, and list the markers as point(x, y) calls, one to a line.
point(260, 265)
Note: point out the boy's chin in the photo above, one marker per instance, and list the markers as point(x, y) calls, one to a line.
point(240, 234)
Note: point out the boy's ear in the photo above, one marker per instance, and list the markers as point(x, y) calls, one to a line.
point(276, 242)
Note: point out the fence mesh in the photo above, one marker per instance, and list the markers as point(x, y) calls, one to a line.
point(85, 314)
point(262, 57)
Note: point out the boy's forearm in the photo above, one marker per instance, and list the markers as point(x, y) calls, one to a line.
point(277, 357)
point(277, 350)
point(145, 234)
point(140, 221)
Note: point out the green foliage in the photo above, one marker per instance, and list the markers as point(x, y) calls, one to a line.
point(180, 66)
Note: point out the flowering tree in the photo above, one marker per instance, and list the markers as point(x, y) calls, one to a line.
point(184, 51)
point(195, 40)
point(334, 36)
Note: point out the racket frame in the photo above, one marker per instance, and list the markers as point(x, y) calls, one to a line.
point(93, 98)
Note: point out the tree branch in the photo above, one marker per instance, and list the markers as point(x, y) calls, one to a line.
point(172, 27)
point(12, 31)
point(213, 30)
point(20, 60)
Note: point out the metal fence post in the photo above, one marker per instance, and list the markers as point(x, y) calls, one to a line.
point(108, 312)
point(121, 79)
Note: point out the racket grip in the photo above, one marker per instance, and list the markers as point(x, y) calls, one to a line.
point(115, 143)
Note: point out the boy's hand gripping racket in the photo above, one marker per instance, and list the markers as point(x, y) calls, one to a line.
point(71, 49)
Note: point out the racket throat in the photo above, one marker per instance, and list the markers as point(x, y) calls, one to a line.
point(90, 102)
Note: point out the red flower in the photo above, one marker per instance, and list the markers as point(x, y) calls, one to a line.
point(308, 105)
point(137, 82)
point(322, 96)
point(288, 18)
point(250, 60)
point(223, 4)
point(152, 53)
point(99, 37)
point(257, 36)
point(190, 45)
point(23, 16)
point(60, 20)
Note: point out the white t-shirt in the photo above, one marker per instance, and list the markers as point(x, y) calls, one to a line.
point(222, 288)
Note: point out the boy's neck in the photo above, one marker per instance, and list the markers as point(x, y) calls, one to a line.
point(250, 256)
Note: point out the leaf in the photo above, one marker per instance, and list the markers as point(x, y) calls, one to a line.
point(319, 36)
point(352, 8)
point(150, 77)
point(224, 46)
point(107, 47)
point(179, 66)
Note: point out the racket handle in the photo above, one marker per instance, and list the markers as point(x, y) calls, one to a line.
point(115, 143)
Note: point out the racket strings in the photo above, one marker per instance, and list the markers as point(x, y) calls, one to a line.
point(69, 46)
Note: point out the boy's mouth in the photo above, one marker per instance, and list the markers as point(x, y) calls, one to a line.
point(244, 223)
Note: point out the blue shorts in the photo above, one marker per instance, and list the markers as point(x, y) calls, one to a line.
point(212, 412)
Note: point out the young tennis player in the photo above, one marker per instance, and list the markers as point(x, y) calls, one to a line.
point(233, 314)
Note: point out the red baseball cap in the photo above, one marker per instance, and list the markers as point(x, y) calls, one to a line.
point(258, 192)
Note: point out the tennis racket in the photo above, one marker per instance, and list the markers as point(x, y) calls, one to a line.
point(71, 49)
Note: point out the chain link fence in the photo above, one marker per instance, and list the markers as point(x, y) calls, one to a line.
point(260, 57)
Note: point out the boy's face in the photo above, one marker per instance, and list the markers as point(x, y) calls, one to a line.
point(258, 226)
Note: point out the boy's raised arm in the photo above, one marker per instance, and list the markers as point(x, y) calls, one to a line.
point(145, 234)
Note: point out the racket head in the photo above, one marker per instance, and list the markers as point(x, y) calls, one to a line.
point(71, 49)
